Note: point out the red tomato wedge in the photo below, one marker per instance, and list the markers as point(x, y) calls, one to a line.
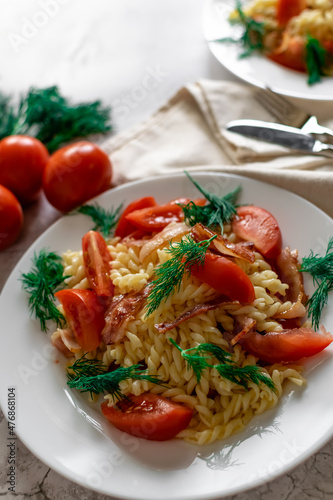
point(156, 218)
point(85, 315)
point(259, 226)
point(286, 9)
point(97, 264)
point(124, 226)
point(149, 416)
point(285, 346)
point(291, 54)
point(185, 201)
point(225, 277)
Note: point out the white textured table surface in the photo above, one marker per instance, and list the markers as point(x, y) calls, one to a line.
point(133, 56)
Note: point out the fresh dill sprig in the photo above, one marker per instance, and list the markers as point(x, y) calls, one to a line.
point(109, 382)
point(85, 367)
point(197, 362)
point(315, 58)
point(321, 270)
point(220, 354)
point(41, 283)
point(252, 37)
point(184, 255)
point(245, 374)
point(51, 118)
point(105, 220)
point(219, 211)
point(198, 358)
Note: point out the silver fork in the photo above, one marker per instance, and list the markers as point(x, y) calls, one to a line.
point(288, 114)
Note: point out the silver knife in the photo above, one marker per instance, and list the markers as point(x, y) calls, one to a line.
point(289, 137)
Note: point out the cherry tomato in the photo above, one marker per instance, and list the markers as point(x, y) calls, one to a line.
point(285, 346)
point(156, 218)
point(225, 277)
point(11, 218)
point(96, 258)
point(85, 315)
point(149, 416)
point(286, 9)
point(259, 226)
point(22, 162)
point(76, 173)
point(125, 227)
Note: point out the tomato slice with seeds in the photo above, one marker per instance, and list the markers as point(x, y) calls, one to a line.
point(259, 226)
point(97, 263)
point(156, 218)
point(124, 226)
point(225, 277)
point(149, 416)
point(85, 315)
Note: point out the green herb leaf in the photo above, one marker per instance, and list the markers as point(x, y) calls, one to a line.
point(109, 382)
point(85, 367)
point(197, 359)
point(41, 283)
point(252, 37)
point(51, 118)
point(243, 375)
point(197, 362)
point(315, 58)
point(184, 255)
point(105, 220)
point(219, 211)
point(321, 270)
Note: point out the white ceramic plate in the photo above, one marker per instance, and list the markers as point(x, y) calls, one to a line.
point(75, 440)
point(256, 69)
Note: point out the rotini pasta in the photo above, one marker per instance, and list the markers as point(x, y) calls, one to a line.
point(220, 407)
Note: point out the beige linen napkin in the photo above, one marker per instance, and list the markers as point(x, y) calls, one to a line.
point(188, 132)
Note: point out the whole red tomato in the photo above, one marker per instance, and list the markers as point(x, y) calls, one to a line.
point(22, 162)
point(11, 218)
point(76, 173)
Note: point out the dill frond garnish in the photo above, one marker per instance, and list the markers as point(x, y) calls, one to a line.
point(199, 359)
point(105, 220)
point(184, 255)
point(51, 118)
point(41, 283)
point(85, 367)
point(252, 37)
point(321, 270)
point(109, 382)
point(219, 211)
point(315, 58)
point(245, 374)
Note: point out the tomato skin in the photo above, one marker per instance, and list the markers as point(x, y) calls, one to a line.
point(286, 9)
point(291, 54)
point(124, 226)
point(156, 218)
point(259, 226)
point(22, 162)
point(85, 314)
point(285, 346)
point(149, 416)
point(97, 264)
point(11, 218)
point(225, 277)
point(76, 173)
